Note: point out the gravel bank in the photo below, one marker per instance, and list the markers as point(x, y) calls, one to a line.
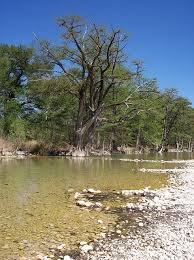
point(167, 231)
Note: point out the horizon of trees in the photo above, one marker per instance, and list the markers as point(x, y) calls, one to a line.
point(82, 92)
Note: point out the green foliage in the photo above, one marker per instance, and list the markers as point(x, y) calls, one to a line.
point(41, 102)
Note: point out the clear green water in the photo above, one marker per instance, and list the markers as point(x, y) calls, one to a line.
point(35, 204)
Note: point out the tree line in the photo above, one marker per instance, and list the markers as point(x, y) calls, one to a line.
point(83, 92)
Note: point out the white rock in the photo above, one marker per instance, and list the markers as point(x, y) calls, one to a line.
point(41, 257)
point(141, 224)
point(126, 193)
point(156, 200)
point(61, 247)
point(98, 205)
point(83, 243)
point(67, 257)
point(6, 153)
point(89, 204)
point(99, 221)
point(86, 204)
point(77, 195)
point(146, 189)
point(78, 153)
point(21, 153)
point(70, 190)
point(86, 248)
point(140, 207)
point(103, 235)
point(90, 190)
point(81, 203)
point(129, 205)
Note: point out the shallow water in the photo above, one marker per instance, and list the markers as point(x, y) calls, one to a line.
point(36, 209)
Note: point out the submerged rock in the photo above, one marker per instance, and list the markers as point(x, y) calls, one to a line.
point(70, 190)
point(98, 205)
point(77, 195)
point(90, 190)
point(86, 204)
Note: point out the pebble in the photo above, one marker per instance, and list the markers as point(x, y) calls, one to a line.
point(82, 243)
point(90, 190)
point(83, 203)
point(98, 204)
point(77, 195)
point(67, 257)
point(103, 235)
point(60, 247)
point(70, 190)
point(41, 257)
point(86, 248)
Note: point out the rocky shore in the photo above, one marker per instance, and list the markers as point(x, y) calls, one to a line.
point(164, 231)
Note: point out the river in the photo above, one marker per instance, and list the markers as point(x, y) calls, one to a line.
point(37, 208)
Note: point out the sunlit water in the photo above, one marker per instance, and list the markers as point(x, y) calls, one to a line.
point(36, 209)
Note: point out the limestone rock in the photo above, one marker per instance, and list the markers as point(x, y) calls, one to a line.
point(87, 248)
point(79, 153)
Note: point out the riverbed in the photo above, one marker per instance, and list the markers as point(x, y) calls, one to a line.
point(38, 210)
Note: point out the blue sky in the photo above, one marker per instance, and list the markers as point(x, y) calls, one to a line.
point(161, 31)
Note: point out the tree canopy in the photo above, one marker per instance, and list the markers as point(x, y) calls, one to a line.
point(84, 92)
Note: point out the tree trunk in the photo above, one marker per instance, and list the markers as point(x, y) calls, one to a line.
point(138, 138)
point(164, 142)
point(177, 145)
point(79, 123)
point(6, 125)
point(86, 130)
point(98, 141)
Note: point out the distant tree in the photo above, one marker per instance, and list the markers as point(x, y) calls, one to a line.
point(173, 107)
point(18, 65)
point(14, 64)
point(182, 134)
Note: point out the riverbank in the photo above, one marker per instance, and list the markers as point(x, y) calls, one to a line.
point(14, 149)
point(166, 232)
